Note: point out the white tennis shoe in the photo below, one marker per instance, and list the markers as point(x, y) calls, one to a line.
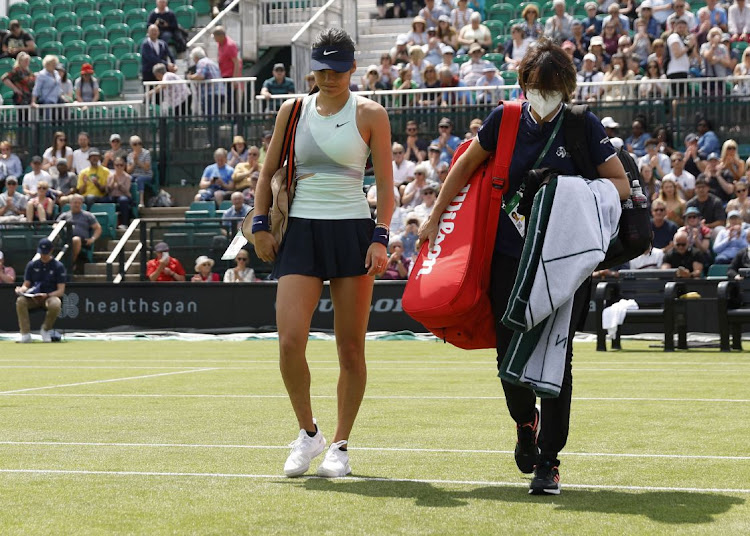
point(336, 462)
point(304, 449)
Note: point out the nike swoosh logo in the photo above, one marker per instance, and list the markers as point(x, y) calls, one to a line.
point(329, 52)
point(342, 124)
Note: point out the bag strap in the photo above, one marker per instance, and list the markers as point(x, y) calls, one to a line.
point(576, 140)
point(506, 143)
point(287, 149)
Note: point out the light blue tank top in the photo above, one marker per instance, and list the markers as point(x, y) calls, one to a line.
point(332, 151)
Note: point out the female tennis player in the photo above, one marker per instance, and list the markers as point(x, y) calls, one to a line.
point(548, 79)
point(331, 236)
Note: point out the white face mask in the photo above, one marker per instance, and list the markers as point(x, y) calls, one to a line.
point(543, 106)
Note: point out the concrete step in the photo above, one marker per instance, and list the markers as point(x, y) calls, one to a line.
point(102, 256)
point(129, 245)
point(100, 268)
point(90, 278)
point(163, 212)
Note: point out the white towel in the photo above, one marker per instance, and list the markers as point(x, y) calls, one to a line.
point(614, 315)
point(564, 245)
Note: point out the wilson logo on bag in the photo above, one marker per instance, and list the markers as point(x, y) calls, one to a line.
point(448, 291)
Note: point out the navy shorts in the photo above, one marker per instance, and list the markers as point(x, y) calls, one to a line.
point(326, 249)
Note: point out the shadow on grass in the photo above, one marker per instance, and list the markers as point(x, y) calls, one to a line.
point(676, 507)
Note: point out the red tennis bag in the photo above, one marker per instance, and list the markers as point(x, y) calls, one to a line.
point(448, 290)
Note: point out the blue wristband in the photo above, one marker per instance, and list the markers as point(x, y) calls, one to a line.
point(380, 235)
point(260, 223)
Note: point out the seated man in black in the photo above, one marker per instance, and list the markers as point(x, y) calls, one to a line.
point(43, 286)
point(17, 40)
point(166, 21)
point(710, 206)
point(687, 262)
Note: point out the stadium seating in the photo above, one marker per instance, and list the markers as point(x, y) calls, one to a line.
point(93, 32)
point(42, 20)
point(71, 33)
point(111, 83)
point(118, 31)
point(17, 10)
point(122, 46)
point(97, 47)
point(130, 65)
point(75, 63)
point(65, 19)
point(75, 47)
point(201, 209)
point(4, 21)
point(112, 17)
point(59, 7)
point(107, 217)
point(45, 35)
point(103, 63)
point(135, 16)
point(89, 18)
point(186, 16)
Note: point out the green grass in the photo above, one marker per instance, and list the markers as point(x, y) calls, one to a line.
point(661, 409)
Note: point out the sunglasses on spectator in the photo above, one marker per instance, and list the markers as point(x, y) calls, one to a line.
point(731, 148)
point(692, 216)
point(411, 129)
point(444, 126)
point(119, 165)
point(115, 141)
point(740, 190)
point(680, 244)
point(243, 259)
point(398, 152)
point(134, 144)
point(254, 154)
point(418, 173)
point(42, 188)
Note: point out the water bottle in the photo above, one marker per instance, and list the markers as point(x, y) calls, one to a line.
point(637, 195)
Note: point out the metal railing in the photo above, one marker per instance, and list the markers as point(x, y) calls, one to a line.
point(603, 92)
point(118, 254)
point(341, 13)
point(57, 113)
point(218, 96)
point(57, 229)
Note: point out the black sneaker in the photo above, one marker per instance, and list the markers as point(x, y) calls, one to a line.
point(527, 451)
point(546, 479)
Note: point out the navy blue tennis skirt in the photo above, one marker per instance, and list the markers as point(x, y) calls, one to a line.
point(324, 248)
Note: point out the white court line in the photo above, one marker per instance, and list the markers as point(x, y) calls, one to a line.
point(437, 361)
point(374, 368)
point(104, 381)
point(376, 449)
point(373, 397)
point(488, 483)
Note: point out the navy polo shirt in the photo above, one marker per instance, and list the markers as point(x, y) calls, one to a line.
point(663, 235)
point(45, 277)
point(530, 142)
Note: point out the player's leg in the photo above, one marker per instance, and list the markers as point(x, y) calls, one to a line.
point(351, 298)
point(296, 299)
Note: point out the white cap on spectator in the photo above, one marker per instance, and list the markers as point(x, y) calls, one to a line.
point(596, 40)
point(372, 69)
point(589, 57)
point(608, 122)
point(489, 69)
point(646, 4)
point(114, 137)
point(558, 2)
point(444, 18)
point(476, 16)
point(447, 49)
point(593, 5)
point(616, 142)
point(401, 39)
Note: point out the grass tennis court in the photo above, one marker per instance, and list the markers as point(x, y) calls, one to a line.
point(171, 437)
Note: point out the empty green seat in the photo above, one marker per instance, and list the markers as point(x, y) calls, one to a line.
point(135, 16)
point(103, 63)
point(43, 20)
point(84, 6)
point(45, 35)
point(65, 19)
point(107, 216)
point(94, 31)
point(130, 65)
point(186, 16)
point(91, 17)
point(202, 6)
point(35, 65)
point(113, 16)
point(111, 84)
point(51, 47)
point(71, 33)
point(25, 21)
point(107, 5)
point(75, 47)
point(18, 9)
point(128, 5)
point(118, 31)
point(62, 6)
point(4, 22)
point(138, 31)
point(97, 47)
point(208, 206)
point(122, 46)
